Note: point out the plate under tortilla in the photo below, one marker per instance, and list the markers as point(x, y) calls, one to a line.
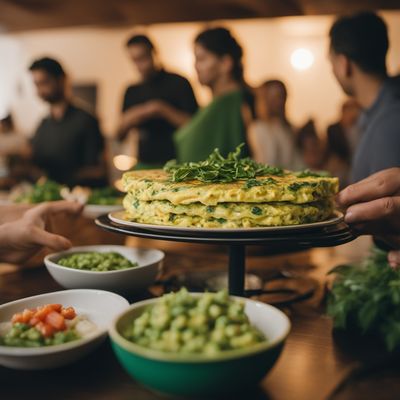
point(121, 218)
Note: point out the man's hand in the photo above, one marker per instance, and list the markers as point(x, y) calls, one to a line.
point(23, 237)
point(155, 108)
point(373, 207)
point(133, 117)
point(161, 109)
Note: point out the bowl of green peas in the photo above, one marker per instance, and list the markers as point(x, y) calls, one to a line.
point(119, 269)
point(203, 345)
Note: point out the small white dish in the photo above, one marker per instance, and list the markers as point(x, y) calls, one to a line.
point(100, 307)
point(125, 281)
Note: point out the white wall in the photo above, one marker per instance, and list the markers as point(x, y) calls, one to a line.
point(97, 55)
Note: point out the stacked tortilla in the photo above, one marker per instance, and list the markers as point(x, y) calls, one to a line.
point(152, 198)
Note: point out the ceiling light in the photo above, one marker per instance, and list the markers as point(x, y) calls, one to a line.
point(302, 59)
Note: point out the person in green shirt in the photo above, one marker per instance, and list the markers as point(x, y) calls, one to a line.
point(221, 124)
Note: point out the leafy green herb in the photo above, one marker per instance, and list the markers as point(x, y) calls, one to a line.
point(217, 168)
point(258, 182)
point(210, 209)
point(105, 196)
point(294, 187)
point(367, 297)
point(308, 173)
point(43, 190)
point(256, 211)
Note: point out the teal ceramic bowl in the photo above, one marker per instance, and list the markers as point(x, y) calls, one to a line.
point(200, 375)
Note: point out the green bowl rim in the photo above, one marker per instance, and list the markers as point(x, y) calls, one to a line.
point(191, 358)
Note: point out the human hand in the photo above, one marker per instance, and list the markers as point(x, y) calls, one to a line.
point(394, 259)
point(22, 238)
point(373, 204)
point(373, 207)
point(155, 108)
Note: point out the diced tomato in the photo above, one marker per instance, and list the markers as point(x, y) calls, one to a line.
point(56, 307)
point(27, 315)
point(47, 319)
point(16, 318)
point(68, 313)
point(33, 321)
point(45, 329)
point(42, 312)
point(55, 320)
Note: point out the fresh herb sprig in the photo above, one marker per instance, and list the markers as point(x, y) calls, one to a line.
point(367, 297)
point(308, 173)
point(217, 168)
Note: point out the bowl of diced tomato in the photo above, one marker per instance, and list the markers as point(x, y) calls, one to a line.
point(55, 329)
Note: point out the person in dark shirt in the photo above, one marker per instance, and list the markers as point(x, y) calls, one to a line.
point(156, 106)
point(68, 145)
point(358, 47)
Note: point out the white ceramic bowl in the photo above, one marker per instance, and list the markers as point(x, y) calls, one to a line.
point(125, 281)
point(99, 306)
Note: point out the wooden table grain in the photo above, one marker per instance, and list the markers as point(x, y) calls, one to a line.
point(313, 363)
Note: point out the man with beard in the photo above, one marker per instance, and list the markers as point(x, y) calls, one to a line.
point(68, 145)
point(358, 47)
point(154, 107)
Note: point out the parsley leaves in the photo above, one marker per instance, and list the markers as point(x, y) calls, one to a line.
point(367, 297)
point(217, 168)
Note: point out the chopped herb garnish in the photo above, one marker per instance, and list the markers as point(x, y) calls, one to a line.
point(217, 168)
point(308, 173)
point(294, 187)
point(256, 211)
point(210, 209)
point(258, 182)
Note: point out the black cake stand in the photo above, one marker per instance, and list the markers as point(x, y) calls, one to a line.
point(278, 240)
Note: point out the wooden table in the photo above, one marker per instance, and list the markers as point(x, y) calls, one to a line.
point(312, 364)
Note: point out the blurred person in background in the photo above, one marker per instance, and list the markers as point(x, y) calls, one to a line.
point(358, 48)
point(271, 135)
point(156, 106)
point(67, 145)
point(12, 145)
point(341, 141)
point(223, 123)
point(311, 146)
point(344, 135)
point(317, 156)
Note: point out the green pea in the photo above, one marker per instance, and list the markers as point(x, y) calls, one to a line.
point(96, 261)
point(182, 323)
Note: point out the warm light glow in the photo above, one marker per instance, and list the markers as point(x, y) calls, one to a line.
point(124, 162)
point(302, 59)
